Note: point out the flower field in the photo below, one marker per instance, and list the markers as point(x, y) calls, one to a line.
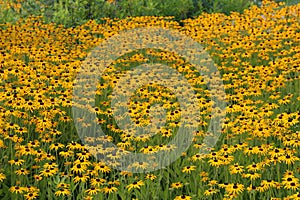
point(257, 155)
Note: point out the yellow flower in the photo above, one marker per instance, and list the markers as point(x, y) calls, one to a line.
point(48, 172)
point(235, 188)
point(109, 189)
point(31, 195)
point(252, 175)
point(97, 181)
point(288, 158)
point(81, 178)
point(290, 182)
point(66, 153)
point(140, 165)
point(176, 185)
point(215, 162)
point(210, 192)
point(22, 172)
point(73, 146)
point(292, 185)
point(62, 192)
point(149, 150)
point(16, 161)
point(183, 197)
point(152, 177)
point(254, 167)
point(2, 177)
point(251, 188)
point(197, 157)
point(63, 185)
point(37, 177)
point(188, 169)
point(135, 185)
point(56, 146)
point(92, 191)
point(79, 168)
point(102, 167)
point(16, 189)
point(236, 169)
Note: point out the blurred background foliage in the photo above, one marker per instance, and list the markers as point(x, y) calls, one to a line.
point(75, 12)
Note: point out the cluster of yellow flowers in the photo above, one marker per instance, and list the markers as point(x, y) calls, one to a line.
point(15, 5)
point(257, 156)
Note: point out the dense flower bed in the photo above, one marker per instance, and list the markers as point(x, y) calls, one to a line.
point(257, 156)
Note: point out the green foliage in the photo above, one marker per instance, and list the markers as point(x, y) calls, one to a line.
point(288, 2)
point(228, 6)
point(7, 14)
point(69, 12)
point(179, 9)
point(76, 12)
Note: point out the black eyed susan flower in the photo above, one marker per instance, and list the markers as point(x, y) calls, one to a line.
point(292, 185)
point(210, 192)
point(183, 197)
point(288, 158)
point(140, 165)
point(149, 150)
point(16, 162)
point(31, 195)
point(251, 188)
point(102, 167)
point(109, 189)
point(62, 192)
point(66, 153)
point(151, 177)
point(235, 188)
point(81, 178)
point(236, 169)
point(88, 197)
point(254, 167)
point(252, 175)
point(16, 189)
point(216, 162)
point(124, 144)
point(263, 188)
point(22, 171)
point(226, 159)
point(63, 185)
point(269, 183)
point(212, 182)
point(135, 185)
point(93, 191)
point(96, 182)
point(168, 147)
point(294, 196)
point(73, 146)
point(37, 177)
point(188, 169)
point(79, 168)
point(176, 185)
point(2, 177)
point(56, 146)
point(197, 157)
point(289, 181)
point(2, 144)
point(48, 172)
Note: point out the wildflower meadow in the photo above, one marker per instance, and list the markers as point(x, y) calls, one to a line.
point(256, 54)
